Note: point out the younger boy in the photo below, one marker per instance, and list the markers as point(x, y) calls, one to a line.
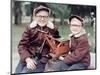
point(79, 55)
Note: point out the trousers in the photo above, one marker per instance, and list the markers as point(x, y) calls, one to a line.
point(22, 68)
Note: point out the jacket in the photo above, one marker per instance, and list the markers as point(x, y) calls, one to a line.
point(79, 49)
point(32, 40)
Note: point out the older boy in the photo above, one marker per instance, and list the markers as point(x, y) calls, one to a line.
point(32, 48)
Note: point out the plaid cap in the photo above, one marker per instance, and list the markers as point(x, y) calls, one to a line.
point(77, 17)
point(36, 10)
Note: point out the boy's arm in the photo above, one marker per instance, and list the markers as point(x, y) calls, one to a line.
point(23, 45)
point(80, 51)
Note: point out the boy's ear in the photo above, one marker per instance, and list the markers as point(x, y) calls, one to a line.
point(83, 23)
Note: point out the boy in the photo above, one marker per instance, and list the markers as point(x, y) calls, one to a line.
point(79, 56)
point(32, 48)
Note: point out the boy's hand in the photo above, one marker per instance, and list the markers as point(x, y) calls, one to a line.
point(53, 55)
point(61, 58)
point(31, 63)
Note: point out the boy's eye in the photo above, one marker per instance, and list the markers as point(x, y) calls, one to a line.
point(42, 16)
point(74, 25)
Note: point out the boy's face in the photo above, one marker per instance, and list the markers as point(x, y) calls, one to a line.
point(42, 18)
point(75, 26)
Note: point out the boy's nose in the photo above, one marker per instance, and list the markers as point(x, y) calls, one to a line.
point(42, 18)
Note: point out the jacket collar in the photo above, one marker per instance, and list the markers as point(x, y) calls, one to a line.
point(49, 25)
point(79, 34)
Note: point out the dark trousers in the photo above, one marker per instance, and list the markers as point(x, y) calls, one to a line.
point(61, 66)
point(22, 68)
